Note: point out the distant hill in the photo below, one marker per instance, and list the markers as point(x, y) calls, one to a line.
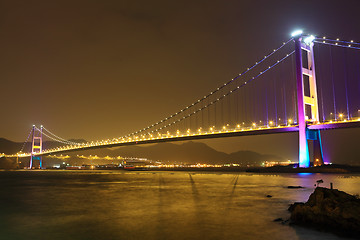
point(9, 147)
point(187, 152)
point(250, 157)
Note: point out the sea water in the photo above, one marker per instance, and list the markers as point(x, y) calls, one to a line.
point(156, 205)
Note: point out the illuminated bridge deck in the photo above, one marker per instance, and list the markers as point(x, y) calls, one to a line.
point(197, 136)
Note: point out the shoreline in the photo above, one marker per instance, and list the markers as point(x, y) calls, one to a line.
point(334, 168)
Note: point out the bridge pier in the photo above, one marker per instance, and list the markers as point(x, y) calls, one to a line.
point(38, 158)
point(318, 157)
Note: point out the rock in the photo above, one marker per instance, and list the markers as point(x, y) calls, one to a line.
point(283, 222)
point(269, 196)
point(330, 210)
point(292, 206)
point(295, 187)
point(278, 220)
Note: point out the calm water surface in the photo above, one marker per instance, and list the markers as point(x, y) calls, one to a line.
point(155, 205)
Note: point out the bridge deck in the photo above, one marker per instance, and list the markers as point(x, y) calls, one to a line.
point(220, 134)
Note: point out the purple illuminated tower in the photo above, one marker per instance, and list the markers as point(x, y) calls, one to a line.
point(36, 146)
point(307, 103)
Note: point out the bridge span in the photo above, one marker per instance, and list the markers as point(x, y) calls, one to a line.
point(280, 93)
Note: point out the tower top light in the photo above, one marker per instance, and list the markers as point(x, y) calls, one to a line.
point(297, 33)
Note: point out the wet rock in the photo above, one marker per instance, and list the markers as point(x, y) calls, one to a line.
point(292, 206)
point(285, 221)
point(330, 210)
point(281, 220)
point(268, 196)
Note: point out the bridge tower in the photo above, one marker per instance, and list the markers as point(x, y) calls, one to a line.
point(36, 146)
point(308, 110)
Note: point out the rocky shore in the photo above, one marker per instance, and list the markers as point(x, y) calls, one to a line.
point(329, 210)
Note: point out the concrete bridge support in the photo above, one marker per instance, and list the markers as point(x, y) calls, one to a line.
point(307, 100)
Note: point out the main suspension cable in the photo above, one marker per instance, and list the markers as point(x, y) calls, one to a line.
point(22, 148)
point(211, 93)
point(337, 45)
point(57, 138)
point(224, 95)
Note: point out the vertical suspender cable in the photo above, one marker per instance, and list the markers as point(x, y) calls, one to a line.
point(358, 81)
point(215, 114)
point(237, 107)
point(208, 111)
point(345, 82)
point(283, 91)
point(266, 103)
point(276, 118)
point(202, 123)
point(332, 82)
point(222, 108)
point(294, 92)
point(319, 70)
point(247, 101)
point(229, 109)
point(253, 103)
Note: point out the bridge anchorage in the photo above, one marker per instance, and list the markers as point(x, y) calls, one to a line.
point(285, 95)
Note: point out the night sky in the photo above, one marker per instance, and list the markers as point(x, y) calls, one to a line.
point(102, 69)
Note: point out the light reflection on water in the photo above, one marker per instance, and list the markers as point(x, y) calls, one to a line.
point(156, 205)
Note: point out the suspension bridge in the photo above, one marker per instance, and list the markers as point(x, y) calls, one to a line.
point(280, 93)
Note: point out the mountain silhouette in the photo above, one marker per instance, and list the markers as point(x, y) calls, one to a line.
point(187, 152)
